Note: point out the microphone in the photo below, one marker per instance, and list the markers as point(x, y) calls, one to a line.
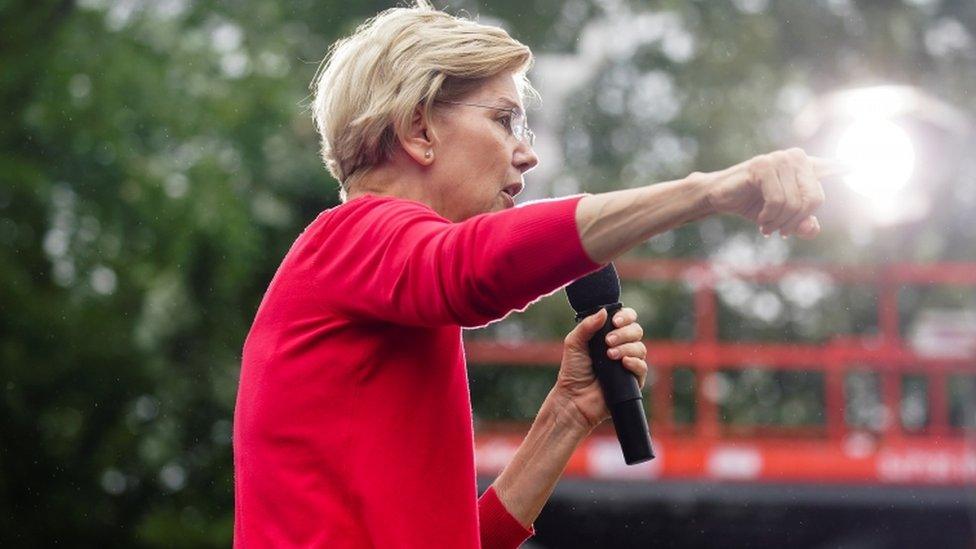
point(587, 296)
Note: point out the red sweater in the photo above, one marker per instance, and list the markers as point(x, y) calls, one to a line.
point(353, 424)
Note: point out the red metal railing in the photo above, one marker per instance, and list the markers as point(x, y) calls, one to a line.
point(839, 452)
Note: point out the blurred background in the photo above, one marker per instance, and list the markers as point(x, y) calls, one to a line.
point(158, 159)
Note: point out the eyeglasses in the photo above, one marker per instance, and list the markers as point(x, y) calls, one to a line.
point(517, 125)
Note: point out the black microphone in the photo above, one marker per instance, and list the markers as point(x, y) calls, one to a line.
point(601, 290)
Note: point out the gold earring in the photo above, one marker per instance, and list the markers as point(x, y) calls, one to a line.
point(428, 154)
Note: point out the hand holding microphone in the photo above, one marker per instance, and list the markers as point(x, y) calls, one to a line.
point(600, 386)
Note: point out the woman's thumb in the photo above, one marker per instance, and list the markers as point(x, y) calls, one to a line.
point(585, 330)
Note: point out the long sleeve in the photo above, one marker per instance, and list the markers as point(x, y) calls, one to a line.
point(354, 393)
point(499, 529)
point(410, 266)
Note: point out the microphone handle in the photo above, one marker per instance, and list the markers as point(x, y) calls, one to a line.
point(621, 393)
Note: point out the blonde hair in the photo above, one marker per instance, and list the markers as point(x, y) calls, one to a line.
point(370, 83)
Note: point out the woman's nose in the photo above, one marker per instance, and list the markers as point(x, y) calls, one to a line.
point(525, 158)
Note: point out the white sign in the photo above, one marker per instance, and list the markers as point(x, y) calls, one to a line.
point(944, 333)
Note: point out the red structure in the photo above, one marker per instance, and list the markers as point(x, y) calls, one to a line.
point(936, 454)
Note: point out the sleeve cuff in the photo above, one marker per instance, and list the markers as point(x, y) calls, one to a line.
point(499, 529)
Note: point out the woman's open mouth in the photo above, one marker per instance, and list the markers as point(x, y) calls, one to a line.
point(511, 191)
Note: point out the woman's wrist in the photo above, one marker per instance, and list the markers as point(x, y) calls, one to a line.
point(527, 481)
point(700, 186)
point(566, 416)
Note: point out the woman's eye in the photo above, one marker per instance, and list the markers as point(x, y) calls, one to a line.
point(506, 121)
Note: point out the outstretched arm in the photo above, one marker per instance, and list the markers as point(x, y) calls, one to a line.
point(778, 191)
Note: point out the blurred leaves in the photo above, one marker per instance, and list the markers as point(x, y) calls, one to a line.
point(157, 162)
point(754, 396)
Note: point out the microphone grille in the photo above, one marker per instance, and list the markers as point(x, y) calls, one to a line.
point(594, 290)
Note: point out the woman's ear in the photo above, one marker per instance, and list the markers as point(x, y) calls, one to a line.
point(418, 143)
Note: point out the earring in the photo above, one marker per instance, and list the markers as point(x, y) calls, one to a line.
point(428, 154)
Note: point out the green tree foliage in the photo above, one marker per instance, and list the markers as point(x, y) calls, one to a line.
point(157, 160)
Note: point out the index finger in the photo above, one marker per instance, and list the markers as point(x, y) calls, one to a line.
point(826, 168)
point(624, 316)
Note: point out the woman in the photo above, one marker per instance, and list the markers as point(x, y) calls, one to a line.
point(353, 424)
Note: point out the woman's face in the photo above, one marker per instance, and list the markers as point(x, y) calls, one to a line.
point(477, 161)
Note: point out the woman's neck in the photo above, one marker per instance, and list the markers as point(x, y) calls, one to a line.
point(386, 180)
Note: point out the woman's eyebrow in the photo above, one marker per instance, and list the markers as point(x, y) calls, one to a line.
point(505, 102)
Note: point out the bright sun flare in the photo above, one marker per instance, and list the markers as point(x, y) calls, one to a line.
point(881, 155)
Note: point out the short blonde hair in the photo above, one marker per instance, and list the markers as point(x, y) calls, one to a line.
point(370, 83)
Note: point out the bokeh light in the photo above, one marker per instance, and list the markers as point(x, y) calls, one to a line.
point(881, 154)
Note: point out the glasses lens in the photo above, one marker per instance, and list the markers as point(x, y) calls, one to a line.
point(521, 129)
point(518, 124)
